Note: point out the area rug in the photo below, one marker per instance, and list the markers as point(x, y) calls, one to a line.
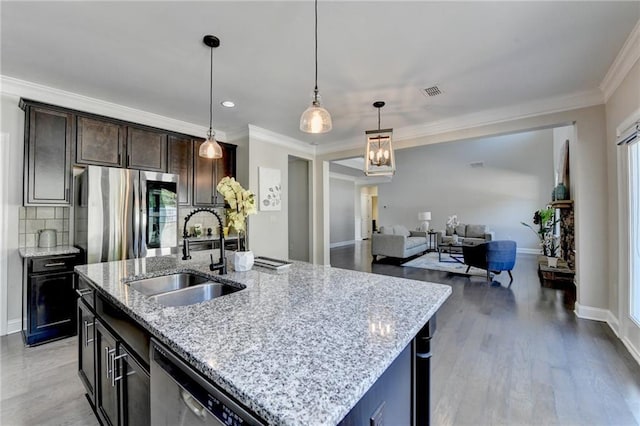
point(430, 261)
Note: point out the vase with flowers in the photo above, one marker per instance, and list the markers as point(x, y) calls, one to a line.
point(452, 223)
point(239, 204)
point(546, 221)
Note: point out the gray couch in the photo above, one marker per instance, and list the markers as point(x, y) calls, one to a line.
point(398, 241)
point(469, 235)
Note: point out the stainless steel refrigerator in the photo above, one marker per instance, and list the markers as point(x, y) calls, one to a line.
point(125, 214)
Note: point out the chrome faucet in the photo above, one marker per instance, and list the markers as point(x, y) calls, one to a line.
point(221, 266)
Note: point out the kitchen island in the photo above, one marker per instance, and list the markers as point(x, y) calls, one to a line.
point(296, 347)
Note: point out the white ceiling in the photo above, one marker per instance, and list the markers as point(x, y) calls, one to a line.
point(150, 56)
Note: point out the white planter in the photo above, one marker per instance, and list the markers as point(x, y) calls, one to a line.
point(552, 262)
point(454, 239)
point(243, 260)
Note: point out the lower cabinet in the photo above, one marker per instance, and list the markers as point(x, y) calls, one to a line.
point(116, 383)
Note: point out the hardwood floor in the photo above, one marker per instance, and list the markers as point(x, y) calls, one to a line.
point(501, 355)
point(40, 386)
point(514, 355)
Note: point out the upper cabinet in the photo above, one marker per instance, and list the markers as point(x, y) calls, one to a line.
point(146, 150)
point(181, 164)
point(100, 142)
point(56, 138)
point(208, 172)
point(47, 155)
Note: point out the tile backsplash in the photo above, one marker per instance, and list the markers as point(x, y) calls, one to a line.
point(33, 219)
point(207, 220)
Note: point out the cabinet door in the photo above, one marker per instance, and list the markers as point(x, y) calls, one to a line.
point(208, 173)
point(106, 392)
point(52, 307)
point(47, 169)
point(135, 390)
point(146, 150)
point(180, 163)
point(99, 142)
point(86, 349)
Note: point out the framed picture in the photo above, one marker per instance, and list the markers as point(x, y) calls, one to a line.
point(270, 181)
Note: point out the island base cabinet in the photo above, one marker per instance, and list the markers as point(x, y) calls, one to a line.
point(86, 350)
point(122, 384)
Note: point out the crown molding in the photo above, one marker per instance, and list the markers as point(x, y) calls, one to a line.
point(50, 95)
point(626, 59)
point(481, 118)
point(281, 140)
point(235, 134)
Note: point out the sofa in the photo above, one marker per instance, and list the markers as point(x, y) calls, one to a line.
point(398, 241)
point(468, 235)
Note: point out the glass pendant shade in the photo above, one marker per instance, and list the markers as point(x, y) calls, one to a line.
point(379, 158)
point(210, 148)
point(315, 119)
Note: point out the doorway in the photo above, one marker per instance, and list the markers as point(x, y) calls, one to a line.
point(368, 211)
point(299, 213)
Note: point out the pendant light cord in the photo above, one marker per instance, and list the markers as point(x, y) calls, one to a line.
point(379, 118)
point(316, 36)
point(211, 93)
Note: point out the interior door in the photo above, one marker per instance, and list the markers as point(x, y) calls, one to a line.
point(365, 200)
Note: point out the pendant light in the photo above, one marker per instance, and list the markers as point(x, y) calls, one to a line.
point(379, 159)
point(210, 148)
point(315, 119)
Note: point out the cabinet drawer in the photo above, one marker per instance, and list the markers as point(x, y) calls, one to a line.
point(54, 263)
point(84, 291)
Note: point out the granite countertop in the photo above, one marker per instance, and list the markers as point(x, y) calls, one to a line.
point(299, 347)
point(51, 251)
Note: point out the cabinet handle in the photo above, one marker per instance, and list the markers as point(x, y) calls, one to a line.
point(128, 160)
point(67, 195)
point(87, 324)
point(119, 158)
point(83, 291)
point(51, 265)
point(107, 357)
point(114, 379)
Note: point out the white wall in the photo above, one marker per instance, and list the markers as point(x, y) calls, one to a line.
point(515, 181)
point(268, 230)
point(342, 211)
point(12, 124)
point(624, 103)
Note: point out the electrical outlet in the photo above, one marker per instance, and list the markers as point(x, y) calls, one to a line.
point(377, 418)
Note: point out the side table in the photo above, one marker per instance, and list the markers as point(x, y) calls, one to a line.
point(559, 278)
point(432, 241)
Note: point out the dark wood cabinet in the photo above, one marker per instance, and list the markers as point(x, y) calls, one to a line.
point(146, 150)
point(113, 358)
point(49, 299)
point(99, 142)
point(207, 173)
point(181, 163)
point(86, 349)
point(106, 394)
point(47, 155)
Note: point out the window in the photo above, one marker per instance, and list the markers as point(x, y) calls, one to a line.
point(633, 147)
point(634, 228)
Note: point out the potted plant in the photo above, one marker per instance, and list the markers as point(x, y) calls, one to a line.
point(546, 221)
point(240, 203)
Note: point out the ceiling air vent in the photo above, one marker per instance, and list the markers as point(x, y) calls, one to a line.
point(476, 164)
point(432, 91)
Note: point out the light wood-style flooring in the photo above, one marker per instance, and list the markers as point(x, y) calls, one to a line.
point(514, 355)
point(501, 356)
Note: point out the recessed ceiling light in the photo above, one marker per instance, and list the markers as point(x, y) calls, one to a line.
point(228, 104)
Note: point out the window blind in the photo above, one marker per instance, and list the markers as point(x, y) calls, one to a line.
point(631, 135)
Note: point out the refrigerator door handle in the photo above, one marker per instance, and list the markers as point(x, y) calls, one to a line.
point(135, 213)
point(142, 215)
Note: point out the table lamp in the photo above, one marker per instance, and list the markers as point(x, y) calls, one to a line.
point(424, 218)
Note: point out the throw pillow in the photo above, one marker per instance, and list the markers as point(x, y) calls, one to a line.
point(476, 231)
point(460, 230)
point(449, 231)
point(401, 230)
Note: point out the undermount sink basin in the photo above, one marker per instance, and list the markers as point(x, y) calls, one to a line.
point(165, 283)
point(193, 295)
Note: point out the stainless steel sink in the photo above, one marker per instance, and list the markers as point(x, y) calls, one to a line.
point(193, 295)
point(165, 283)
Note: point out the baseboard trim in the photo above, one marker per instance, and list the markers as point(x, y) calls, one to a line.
point(14, 326)
point(342, 243)
point(635, 353)
point(591, 313)
point(613, 324)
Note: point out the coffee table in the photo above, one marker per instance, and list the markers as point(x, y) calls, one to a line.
point(453, 250)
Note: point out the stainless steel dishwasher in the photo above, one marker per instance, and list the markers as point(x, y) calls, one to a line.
point(181, 396)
